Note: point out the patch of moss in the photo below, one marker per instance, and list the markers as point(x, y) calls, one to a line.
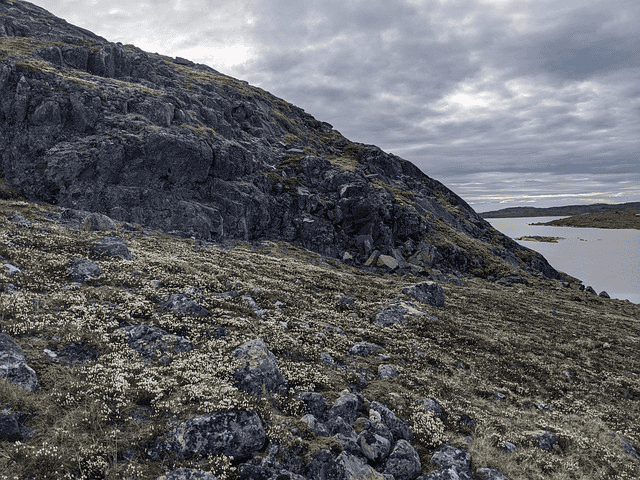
point(201, 130)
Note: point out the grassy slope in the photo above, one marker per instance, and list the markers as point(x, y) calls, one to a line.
point(506, 338)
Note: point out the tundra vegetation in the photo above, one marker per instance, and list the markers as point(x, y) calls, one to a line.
point(514, 358)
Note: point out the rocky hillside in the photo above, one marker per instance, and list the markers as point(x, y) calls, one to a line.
point(171, 145)
point(199, 280)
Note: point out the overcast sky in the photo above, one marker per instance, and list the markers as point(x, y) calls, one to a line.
point(508, 103)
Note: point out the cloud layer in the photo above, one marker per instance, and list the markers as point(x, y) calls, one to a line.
point(506, 102)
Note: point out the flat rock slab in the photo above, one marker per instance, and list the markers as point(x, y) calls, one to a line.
point(112, 247)
point(179, 303)
point(149, 340)
point(82, 270)
point(238, 433)
point(13, 364)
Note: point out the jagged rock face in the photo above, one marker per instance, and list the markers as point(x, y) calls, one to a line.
point(162, 142)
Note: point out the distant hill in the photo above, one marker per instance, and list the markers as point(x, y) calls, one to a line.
point(566, 210)
point(627, 219)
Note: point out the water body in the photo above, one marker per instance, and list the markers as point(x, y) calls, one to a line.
point(606, 259)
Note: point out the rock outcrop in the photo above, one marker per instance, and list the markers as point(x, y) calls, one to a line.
point(13, 364)
point(165, 143)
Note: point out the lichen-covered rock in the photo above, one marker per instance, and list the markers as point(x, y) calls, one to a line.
point(373, 446)
point(81, 270)
point(448, 456)
point(628, 448)
point(546, 440)
point(315, 425)
point(314, 402)
point(346, 406)
point(187, 474)
point(391, 315)
point(397, 426)
point(363, 349)
point(349, 443)
point(12, 269)
point(432, 405)
point(13, 364)
point(260, 371)
point(354, 468)
point(19, 219)
point(403, 462)
point(238, 433)
point(426, 292)
point(179, 303)
point(149, 340)
point(112, 247)
point(509, 447)
point(387, 371)
point(491, 474)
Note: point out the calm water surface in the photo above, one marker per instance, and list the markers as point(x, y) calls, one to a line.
point(606, 259)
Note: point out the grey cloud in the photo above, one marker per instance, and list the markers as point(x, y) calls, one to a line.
point(559, 78)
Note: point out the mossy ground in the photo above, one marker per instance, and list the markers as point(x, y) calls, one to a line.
point(98, 420)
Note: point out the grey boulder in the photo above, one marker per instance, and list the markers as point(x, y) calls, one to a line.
point(82, 270)
point(354, 468)
point(449, 457)
point(260, 370)
point(238, 433)
point(112, 247)
point(179, 303)
point(403, 462)
point(149, 340)
point(399, 429)
point(13, 364)
point(426, 292)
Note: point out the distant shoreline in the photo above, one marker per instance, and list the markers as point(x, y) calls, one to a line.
point(620, 219)
point(565, 211)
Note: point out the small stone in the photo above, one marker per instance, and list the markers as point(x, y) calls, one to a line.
point(374, 447)
point(508, 447)
point(363, 349)
point(387, 371)
point(387, 261)
point(12, 269)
